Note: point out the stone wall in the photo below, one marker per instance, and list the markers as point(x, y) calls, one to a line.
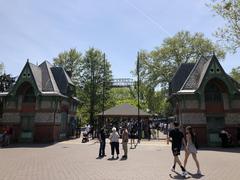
point(232, 118)
point(46, 104)
point(225, 101)
point(193, 118)
point(235, 104)
point(11, 117)
point(191, 104)
point(11, 105)
point(47, 117)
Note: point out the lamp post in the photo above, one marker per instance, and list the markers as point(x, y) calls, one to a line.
point(138, 92)
point(103, 89)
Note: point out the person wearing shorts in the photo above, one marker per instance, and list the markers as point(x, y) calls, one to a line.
point(191, 148)
point(177, 139)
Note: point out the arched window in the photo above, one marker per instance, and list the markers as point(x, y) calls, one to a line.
point(29, 95)
point(213, 93)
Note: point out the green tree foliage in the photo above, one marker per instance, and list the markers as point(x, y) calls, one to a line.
point(123, 95)
point(91, 83)
point(229, 10)
point(158, 66)
point(71, 62)
point(6, 82)
point(88, 74)
point(235, 74)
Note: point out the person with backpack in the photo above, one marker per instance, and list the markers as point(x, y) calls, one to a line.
point(191, 148)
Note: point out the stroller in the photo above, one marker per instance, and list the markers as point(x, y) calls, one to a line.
point(85, 137)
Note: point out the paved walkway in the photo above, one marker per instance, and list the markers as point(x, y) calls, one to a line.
point(72, 160)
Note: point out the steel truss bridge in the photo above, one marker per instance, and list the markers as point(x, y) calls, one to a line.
point(123, 82)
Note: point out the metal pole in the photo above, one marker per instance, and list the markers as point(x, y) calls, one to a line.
point(103, 90)
point(138, 90)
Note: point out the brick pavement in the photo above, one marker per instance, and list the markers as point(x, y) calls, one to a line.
point(72, 160)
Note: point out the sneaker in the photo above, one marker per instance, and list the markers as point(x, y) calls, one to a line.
point(184, 173)
point(199, 172)
point(173, 169)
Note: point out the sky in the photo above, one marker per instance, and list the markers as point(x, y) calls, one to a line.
point(40, 30)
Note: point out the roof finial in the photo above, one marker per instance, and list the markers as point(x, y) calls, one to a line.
point(213, 53)
point(27, 60)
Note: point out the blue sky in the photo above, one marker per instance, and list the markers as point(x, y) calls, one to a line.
point(39, 30)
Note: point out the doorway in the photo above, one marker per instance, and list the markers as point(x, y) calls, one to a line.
point(214, 126)
point(26, 134)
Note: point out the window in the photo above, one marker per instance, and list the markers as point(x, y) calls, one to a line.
point(29, 96)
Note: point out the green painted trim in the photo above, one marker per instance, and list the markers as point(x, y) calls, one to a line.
point(21, 80)
point(221, 75)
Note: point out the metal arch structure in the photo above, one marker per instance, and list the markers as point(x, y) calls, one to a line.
point(123, 82)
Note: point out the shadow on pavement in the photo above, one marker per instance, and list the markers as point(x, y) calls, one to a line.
point(190, 175)
point(218, 149)
point(28, 145)
point(196, 176)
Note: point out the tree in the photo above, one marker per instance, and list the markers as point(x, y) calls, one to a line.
point(235, 74)
point(158, 66)
point(71, 62)
point(91, 82)
point(1, 68)
point(229, 10)
point(6, 82)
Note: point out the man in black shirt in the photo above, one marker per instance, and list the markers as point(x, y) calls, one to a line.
point(102, 140)
point(177, 139)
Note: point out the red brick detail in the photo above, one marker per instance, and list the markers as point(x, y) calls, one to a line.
point(28, 107)
point(232, 111)
point(212, 107)
point(11, 111)
point(192, 111)
point(46, 132)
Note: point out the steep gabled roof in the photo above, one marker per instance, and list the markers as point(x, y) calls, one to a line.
point(37, 75)
point(196, 74)
point(180, 77)
point(48, 80)
point(124, 110)
point(62, 79)
point(204, 67)
point(45, 79)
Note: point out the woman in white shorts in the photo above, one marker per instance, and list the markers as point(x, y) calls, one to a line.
point(191, 148)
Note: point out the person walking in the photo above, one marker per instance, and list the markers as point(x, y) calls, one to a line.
point(102, 140)
point(125, 143)
point(177, 139)
point(191, 148)
point(132, 136)
point(114, 142)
